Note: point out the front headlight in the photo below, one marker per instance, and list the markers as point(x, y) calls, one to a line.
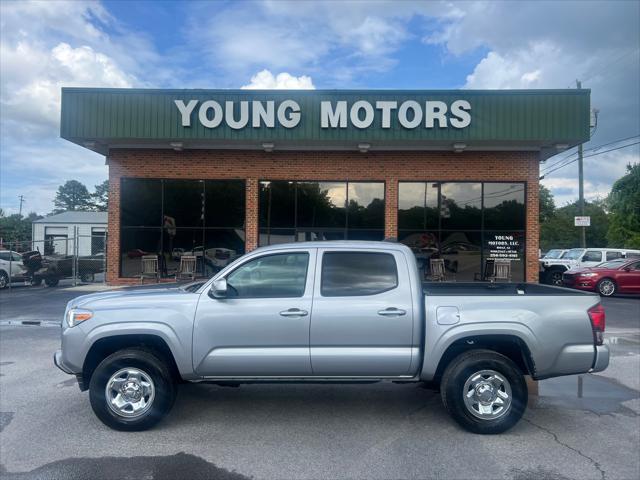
point(78, 315)
point(587, 275)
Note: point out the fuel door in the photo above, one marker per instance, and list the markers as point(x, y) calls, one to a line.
point(447, 315)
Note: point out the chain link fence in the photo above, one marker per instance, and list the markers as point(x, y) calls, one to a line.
point(64, 261)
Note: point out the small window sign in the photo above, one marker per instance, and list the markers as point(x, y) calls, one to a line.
point(582, 221)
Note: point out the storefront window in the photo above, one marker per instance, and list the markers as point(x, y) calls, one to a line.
point(418, 205)
point(310, 211)
point(504, 205)
point(469, 225)
point(173, 218)
point(321, 204)
point(140, 202)
point(461, 205)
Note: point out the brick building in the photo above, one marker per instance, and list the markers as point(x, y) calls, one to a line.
point(452, 174)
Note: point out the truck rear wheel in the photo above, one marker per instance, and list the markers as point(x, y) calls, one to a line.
point(484, 391)
point(132, 390)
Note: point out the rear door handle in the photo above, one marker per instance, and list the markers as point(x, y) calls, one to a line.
point(294, 312)
point(392, 312)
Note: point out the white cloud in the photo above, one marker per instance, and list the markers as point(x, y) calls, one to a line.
point(265, 80)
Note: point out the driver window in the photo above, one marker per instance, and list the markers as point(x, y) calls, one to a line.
point(281, 275)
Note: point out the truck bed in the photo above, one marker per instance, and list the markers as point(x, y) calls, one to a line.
point(484, 288)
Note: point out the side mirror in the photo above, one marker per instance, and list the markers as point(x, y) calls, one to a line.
point(627, 269)
point(219, 288)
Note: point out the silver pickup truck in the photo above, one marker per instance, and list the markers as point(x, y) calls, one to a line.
point(329, 312)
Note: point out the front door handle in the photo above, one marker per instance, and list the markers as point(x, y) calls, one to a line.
point(392, 312)
point(294, 312)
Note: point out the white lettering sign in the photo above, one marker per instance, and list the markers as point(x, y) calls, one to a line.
point(340, 114)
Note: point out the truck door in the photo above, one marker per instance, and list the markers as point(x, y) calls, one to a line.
point(261, 328)
point(362, 323)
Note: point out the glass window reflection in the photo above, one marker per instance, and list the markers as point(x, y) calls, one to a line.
point(460, 205)
point(504, 205)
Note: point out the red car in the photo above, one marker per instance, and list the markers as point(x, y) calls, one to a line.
point(608, 278)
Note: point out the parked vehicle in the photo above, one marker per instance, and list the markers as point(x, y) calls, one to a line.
point(11, 268)
point(330, 312)
point(53, 268)
point(608, 278)
point(551, 270)
point(554, 254)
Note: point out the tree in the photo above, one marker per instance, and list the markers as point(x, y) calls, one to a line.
point(559, 231)
point(547, 205)
point(15, 230)
point(624, 207)
point(101, 196)
point(73, 195)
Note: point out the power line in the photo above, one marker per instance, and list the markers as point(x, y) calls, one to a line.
point(592, 149)
point(587, 156)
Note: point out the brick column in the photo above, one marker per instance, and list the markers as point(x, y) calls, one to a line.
point(533, 221)
point(391, 208)
point(113, 233)
point(251, 219)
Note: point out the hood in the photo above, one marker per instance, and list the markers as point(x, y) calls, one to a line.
point(112, 297)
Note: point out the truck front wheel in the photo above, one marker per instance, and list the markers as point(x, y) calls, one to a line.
point(484, 391)
point(132, 390)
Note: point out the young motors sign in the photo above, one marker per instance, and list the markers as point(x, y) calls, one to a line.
point(360, 114)
point(453, 120)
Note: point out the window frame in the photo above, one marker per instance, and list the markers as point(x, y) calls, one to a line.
point(441, 232)
point(271, 254)
point(297, 229)
point(357, 252)
point(160, 226)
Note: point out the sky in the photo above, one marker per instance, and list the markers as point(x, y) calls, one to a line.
point(46, 45)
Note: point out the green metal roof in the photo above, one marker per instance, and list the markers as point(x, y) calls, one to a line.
point(101, 119)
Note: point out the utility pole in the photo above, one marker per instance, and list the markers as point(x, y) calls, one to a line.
point(21, 197)
point(581, 186)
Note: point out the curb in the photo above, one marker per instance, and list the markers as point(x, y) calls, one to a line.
point(30, 323)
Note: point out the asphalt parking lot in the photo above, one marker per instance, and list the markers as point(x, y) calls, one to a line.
point(577, 427)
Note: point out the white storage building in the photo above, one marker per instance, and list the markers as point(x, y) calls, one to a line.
point(55, 234)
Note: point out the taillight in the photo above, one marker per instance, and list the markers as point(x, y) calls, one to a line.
point(597, 316)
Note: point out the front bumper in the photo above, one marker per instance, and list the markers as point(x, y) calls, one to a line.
point(601, 361)
point(57, 360)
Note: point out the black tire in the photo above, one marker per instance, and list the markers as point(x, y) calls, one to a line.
point(554, 277)
point(51, 281)
point(4, 280)
point(151, 365)
point(462, 369)
point(607, 287)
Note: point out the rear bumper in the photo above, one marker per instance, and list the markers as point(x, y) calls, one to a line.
point(601, 361)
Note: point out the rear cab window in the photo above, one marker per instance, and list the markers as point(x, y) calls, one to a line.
point(613, 255)
point(592, 256)
point(348, 274)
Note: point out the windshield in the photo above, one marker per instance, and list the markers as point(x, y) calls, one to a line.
point(574, 253)
point(553, 254)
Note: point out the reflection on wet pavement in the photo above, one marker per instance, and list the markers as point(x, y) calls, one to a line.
point(168, 467)
point(584, 392)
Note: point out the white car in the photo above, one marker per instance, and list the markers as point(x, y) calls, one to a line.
point(11, 267)
point(551, 270)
